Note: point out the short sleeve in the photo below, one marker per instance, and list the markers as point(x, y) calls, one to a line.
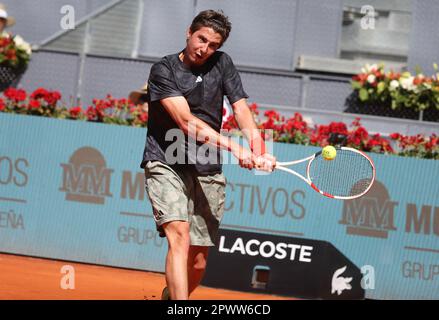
point(161, 82)
point(231, 80)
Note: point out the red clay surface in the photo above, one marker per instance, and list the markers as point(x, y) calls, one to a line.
point(27, 278)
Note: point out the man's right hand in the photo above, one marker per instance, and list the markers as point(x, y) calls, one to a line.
point(245, 157)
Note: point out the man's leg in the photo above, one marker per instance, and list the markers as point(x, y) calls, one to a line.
point(209, 198)
point(196, 265)
point(177, 233)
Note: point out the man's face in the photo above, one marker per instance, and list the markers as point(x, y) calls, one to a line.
point(201, 45)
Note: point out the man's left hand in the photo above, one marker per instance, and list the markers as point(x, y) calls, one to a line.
point(266, 162)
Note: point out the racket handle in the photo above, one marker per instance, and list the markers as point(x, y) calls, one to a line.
point(260, 165)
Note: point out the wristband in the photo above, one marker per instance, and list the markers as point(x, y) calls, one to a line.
point(257, 146)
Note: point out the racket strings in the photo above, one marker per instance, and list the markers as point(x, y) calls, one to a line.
point(349, 174)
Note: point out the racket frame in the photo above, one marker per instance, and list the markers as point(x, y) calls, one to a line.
point(282, 166)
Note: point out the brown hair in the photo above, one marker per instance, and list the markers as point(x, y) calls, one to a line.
point(215, 20)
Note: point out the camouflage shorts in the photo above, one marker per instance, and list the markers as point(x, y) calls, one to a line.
point(186, 196)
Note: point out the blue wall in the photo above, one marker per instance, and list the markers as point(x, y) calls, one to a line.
point(395, 229)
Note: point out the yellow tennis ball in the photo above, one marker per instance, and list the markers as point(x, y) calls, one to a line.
point(329, 153)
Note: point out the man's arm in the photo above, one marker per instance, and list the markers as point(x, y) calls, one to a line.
point(247, 124)
point(179, 110)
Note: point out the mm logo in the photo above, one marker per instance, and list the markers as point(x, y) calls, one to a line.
point(371, 215)
point(86, 177)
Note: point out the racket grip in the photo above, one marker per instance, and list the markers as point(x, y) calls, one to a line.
point(260, 164)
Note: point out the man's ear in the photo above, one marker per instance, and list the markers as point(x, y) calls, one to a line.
point(188, 33)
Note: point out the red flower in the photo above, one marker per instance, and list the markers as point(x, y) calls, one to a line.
point(132, 109)
point(387, 147)
point(10, 93)
point(230, 123)
point(56, 95)
point(374, 142)
point(14, 94)
point(356, 122)
point(434, 140)
point(2, 105)
point(395, 136)
point(362, 77)
point(39, 93)
point(356, 141)
point(269, 124)
point(254, 108)
point(323, 130)
point(34, 104)
point(5, 41)
point(338, 127)
point(11, 54)
point(75, 112)
point(417, 81)
point(21, 95)
point(361, 133)
point(272, 114)
point(298, 116)
point(52, 98)
point(91, 113)
point(143, 117)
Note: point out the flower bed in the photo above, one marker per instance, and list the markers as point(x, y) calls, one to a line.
point(47, 103)
point(391, 94)
point(14, 58)
point(296, 130)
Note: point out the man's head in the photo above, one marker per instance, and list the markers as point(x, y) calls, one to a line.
point(207, 33)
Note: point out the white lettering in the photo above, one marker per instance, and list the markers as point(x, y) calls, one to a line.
point(68, 280)
point(267, 249)
point(249, 251)
point(68, 20)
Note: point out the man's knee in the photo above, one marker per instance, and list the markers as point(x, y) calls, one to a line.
point(177, 233)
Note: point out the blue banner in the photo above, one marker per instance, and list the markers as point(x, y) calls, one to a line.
point(73, 190)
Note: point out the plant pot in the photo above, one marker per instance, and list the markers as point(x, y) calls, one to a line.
point(9, 76)
point(431, 114)
point(354, 105)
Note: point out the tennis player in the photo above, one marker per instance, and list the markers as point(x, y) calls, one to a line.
point(187, 191)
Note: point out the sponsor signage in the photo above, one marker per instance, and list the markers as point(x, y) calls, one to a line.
point(288, 266)
point(74, 191)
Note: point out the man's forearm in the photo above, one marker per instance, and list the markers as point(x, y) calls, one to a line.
point(247, 124)
point(199, 130)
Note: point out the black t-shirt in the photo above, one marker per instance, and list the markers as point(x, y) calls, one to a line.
point(204, 89)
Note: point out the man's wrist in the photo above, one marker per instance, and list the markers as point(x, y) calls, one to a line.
point(257, 146)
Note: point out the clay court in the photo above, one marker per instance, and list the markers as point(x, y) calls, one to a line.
point(28, 278)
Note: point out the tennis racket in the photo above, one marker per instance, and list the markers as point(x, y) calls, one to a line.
point(349, 175)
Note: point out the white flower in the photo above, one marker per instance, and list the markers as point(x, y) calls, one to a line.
point(427, 85)
point(21, 44)
point(19, 41)
point(369, 68)
point(5, 34)
point(371, 78)
point(394, 84)
point(407, 83)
